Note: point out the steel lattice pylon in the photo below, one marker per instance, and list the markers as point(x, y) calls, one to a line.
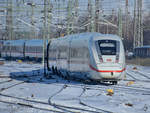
point(138, 24)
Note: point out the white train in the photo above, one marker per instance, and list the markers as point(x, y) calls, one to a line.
point(23, 49)
point(92, 56)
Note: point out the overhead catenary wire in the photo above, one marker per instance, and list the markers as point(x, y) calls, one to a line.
point(78, 10)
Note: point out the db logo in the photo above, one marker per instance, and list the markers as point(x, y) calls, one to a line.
point(108, 60)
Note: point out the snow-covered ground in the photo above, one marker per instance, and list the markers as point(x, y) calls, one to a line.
point(23, 89)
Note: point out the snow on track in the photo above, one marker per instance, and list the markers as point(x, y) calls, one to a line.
point(23, 88)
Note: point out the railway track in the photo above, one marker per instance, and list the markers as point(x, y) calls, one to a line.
point(89, 85)
point(117, 88)
point(27, 103)
point(52, 106)
point(132, 89)
point(66, 108)
point(45, 106)
point(79, 109)
point(120, 88)
point(28, 78)
point(140, 73)
point(49, 100)
point(98, 109)
point(85, 104)
point(103, 87)
point(2, 89)
point(6, 81)
point(4, 76)
point(135, 79)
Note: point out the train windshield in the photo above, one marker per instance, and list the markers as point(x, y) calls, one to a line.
point(108, 47)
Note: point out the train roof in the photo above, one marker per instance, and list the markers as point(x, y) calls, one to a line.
point(143, 47)
point(90, 35)
point(35, 42)
point(14, 42)
point(32, 42)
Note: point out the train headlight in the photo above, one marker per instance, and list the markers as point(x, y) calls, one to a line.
point(117, 58)
point(101, 59)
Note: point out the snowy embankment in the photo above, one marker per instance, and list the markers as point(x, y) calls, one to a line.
point(24, 89)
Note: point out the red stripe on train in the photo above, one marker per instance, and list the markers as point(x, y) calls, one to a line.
point(106, 71)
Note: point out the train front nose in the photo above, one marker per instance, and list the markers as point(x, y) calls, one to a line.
point(108, 72)
point(108, 60)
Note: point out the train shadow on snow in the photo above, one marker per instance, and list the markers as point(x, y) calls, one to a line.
point(37, 76)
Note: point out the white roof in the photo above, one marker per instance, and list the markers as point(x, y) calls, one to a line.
point(91, 35)
point(35, 42)
point(14, 42)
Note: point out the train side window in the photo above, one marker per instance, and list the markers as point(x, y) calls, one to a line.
point(74, 52)
point(63, 52)
point(79, 52)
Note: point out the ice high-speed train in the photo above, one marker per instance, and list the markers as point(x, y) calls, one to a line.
point(23, 49)
point(91, 56)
